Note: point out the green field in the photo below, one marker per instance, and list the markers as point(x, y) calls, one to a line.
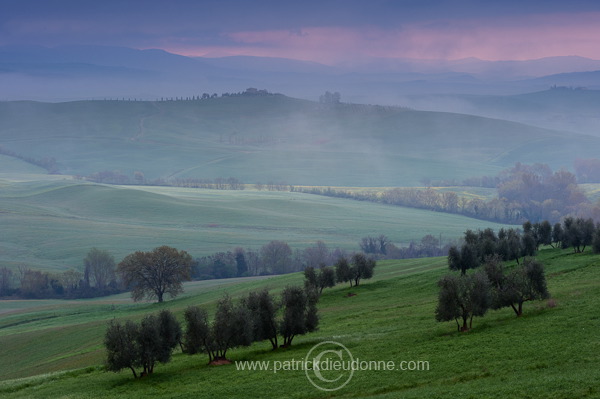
point(277, 138)
point(550, 352)
point(52, 224)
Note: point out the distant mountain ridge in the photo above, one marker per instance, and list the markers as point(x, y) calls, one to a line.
point(84, 72)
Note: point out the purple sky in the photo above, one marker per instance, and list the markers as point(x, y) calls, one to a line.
point(326, 31)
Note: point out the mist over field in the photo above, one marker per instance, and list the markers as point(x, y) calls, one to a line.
point(198, 196)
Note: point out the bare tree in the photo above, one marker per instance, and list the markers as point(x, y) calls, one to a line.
point(6, 281)
point(276, 257)
point(99, 268)
point(317, 255)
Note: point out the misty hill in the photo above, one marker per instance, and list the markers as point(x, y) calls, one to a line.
point(262, 138)
point(570, 108)
point(85, 72)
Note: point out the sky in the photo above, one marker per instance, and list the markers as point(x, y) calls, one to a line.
point(325, 31)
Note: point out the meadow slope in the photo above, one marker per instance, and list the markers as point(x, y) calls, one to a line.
point(550, 352)
point(53, 224)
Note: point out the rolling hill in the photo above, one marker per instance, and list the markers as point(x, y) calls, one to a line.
point(567, 108)
point(277, 138)
point(54, 348)
point(52, 225)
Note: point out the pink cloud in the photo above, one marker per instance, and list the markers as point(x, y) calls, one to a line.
point(490, 39)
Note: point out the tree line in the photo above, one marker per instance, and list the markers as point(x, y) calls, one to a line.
point(98, 278)
point(100, 275)
point(218, 183)
point(474, 289)
point(469, 293)
point(116, 177)
point(514, 244)
point(275, 257)
point(250, 92)
point(525, 192)
point(359, 267)
point(49, 164)
point(464, 296)
point(256, 317)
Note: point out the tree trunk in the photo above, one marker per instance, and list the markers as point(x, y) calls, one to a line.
point(465, 327)
point(133, 371)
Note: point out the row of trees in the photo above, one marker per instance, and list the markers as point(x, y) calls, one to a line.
point(382, 247)
point(360, 267)
point(116, 177)
point(141, 345)
point(464, 296)
point(587, 170)
point(275, 257)
point(154, 274)
point(513, 244)
point(259, 316)
point(470, 293)
point(49, 164)
point(218, 183)
point(252, 92)
point(97, 279)
point(151, 275)
point(525, 192)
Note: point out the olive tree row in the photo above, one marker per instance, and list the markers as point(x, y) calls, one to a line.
point(254, 318)
point(466, 295)
point(132, 345)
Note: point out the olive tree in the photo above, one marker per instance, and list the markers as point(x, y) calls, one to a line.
point(462, 297)
point(323, 278)
point(132, 345)
point(299, 313)
point(196, 338)
point(231, 327)
point(263, 310)
point(120, 341)
point(362, 268)
point(342, 271)
point(526, 282)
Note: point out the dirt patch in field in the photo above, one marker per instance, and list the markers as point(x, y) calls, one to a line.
point(219, 362)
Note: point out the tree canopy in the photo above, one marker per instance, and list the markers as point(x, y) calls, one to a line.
point(156, 273)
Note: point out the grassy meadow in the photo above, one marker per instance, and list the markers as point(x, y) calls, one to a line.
point(53, 348)
point(52, 224)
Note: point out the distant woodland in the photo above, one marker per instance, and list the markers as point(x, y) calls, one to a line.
point(525, 192)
